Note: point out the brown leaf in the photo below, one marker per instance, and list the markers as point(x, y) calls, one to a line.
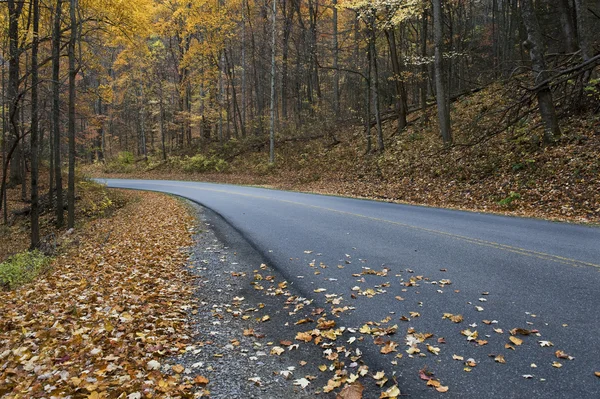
point(201, 380)
point(352, 391)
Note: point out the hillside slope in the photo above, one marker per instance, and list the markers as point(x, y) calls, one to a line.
point(493, 166)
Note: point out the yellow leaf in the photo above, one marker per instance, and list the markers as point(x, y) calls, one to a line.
point(391, 393)
point(515, 340)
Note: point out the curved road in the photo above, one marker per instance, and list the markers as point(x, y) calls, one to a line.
point(521, 273)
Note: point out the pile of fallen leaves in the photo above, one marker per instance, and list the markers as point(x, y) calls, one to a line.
point(99, 323)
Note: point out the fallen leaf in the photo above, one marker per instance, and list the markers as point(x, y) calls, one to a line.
point(500, 359)
point(277, 350)
point(352, 391)
point(433, 383)
point(153, 365)
point(442, 389)
point(556, 365)
point(391, 393)
point(562, 355)
point(200, 380)
point(302, 382)
point(178, 368)
point(515, 340)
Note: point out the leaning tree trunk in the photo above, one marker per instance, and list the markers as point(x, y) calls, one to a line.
point(440, 81)
point(535, 42)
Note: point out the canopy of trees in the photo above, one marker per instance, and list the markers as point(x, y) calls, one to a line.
point(85, 79)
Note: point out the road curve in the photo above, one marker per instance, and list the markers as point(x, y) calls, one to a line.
point(515, 272)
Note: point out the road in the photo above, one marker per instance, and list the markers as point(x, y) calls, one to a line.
point(512, 272)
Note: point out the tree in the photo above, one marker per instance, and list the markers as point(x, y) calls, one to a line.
point(273, 42)
point(440, 78)
point(72, 95)
point(35, 226)
point(56, 45)
point(535, 44)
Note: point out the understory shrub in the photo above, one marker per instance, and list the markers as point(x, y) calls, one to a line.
point(200, 163)
point(22, 268)
point(124, 162)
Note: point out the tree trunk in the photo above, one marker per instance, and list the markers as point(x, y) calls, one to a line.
point(424, 69)
point(535, 43)
point(162, 119)
point(440, 81)
point(375, 85)
point(401, 107)
point(336, 71)
point(14, 14)
point(35, 225)
point(71, 116)
point(567, 25)
point(4, 152)
point(273, 43)
point(56, 38)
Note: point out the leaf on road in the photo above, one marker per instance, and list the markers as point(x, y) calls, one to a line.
point(302, 382)
point(201, 380)
point(277, 350)
point(515, 340)
point(178, 368)
point(390, 393)
point(352, 391)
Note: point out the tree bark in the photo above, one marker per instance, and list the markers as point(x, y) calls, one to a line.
point(71, 116)
point(273, 43)
point(35, 225)
point(401, 107)
point(14, 13)
point(56, 38)
point(336, 71)
point(440, 81)
point(535, 43)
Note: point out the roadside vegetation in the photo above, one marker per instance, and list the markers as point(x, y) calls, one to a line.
point(490, 167)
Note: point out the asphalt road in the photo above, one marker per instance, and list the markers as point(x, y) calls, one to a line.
point(522, 273)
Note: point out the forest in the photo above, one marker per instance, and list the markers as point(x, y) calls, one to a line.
point(144, 82)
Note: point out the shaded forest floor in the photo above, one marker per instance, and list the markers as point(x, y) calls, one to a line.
point(490, 167)
point(92, 201)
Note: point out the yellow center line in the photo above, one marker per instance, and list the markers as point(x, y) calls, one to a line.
point(477, 241)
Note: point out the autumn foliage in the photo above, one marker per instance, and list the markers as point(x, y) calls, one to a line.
point(113, 303)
